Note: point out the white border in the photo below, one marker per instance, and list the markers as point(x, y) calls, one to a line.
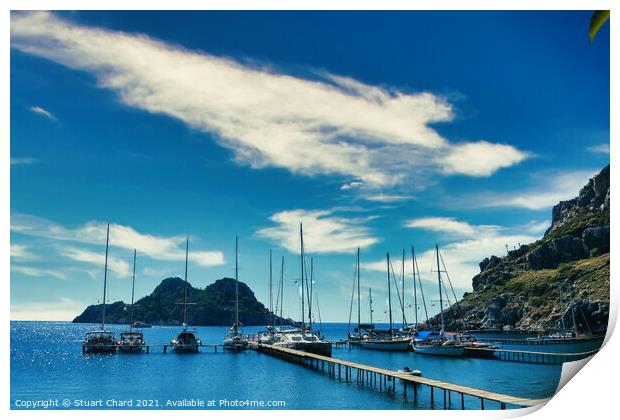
point(590, 396)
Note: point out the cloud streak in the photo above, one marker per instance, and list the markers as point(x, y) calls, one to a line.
point(94, 233)
point(39, 272)
point(602, 148)
point(324, 232)
point(552, 189)
point(23, 161)
point(43, 112)
point(330, 125)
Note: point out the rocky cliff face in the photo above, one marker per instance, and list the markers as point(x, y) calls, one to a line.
point(213, 305)
point(561, 277)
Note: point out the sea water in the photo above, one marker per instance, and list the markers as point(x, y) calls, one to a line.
point(48, 370)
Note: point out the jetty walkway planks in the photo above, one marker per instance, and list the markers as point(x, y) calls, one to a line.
point(342, 369)
point(522, 356)
point(538, 341)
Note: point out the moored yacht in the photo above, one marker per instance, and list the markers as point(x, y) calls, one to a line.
point(440, 344)
point(304, 341)
point(386, 340)
point(235, 340)
point(387, 343)
point(302, 338)
point(131, 341)
point(101, 340)
point(187, 340)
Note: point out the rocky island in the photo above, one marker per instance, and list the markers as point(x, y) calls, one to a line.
point(213, 305)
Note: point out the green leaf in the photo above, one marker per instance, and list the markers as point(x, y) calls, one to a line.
point(597, 20)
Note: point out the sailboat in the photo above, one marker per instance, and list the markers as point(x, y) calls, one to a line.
point(131, 341)
point(235, 341)
point(438, 345)
point(387, 340)
point(187, 340)
point(302, 338)
point(268, 336)
point(355, 337)
point(101, 340)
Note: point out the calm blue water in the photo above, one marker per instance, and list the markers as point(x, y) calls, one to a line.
point(47, 363)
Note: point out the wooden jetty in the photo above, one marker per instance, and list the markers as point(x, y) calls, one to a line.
point(384, 379)
point(538, 357)
point(538, 341)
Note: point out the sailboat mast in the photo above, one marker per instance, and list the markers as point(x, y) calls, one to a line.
point(281, 290)
point(440, 294)
point(370, 299)
point(270, 288)
point(415, 289)
point(301, 247)
point(359, 307)
point(389, 293)
point(185, 289)
point(105, 277)
point(133, 287)
point(402, 280)
point(310, 295)
point(236, 282)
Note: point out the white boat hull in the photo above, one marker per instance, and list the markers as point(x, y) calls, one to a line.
point(439, 350)
point(319, 347)
point(387, 345)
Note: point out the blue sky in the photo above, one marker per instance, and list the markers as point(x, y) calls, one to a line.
point(376, 129)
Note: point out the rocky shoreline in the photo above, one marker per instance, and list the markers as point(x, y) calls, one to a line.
point(561, 277)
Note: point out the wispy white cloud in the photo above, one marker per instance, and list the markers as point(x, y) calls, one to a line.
point(23, 161)
point(602, 148)
point(441, 224)
point(351, 185)
point(21, 252)
point(43, 112)
point(551, 189)
point(94, 233)
point(324, 232)
point(118, 266)
point(39, 272)
point(481, 158)
point(387, 198)
point(466, 245)
point(330, 125)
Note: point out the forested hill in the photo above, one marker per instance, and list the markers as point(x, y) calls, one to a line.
point(213, 305)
